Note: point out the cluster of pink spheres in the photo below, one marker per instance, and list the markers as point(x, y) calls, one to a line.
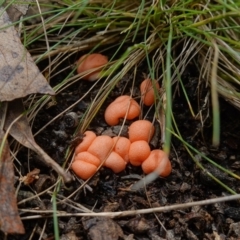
point(116, 152)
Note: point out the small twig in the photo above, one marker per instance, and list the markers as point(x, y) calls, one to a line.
point(142, 211)
point(50, 162)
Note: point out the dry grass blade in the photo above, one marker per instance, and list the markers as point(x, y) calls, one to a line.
point(144, 211)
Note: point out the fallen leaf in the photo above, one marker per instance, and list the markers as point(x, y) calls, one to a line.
point(21, 131)
point(17, 9)
point(21, 6)
point(19, 75)
point(10, 221)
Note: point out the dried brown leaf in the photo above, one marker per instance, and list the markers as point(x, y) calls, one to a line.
point(17, 9)
point(21, 6)
point(21, 131)
point(10, 221)
point(19, 75)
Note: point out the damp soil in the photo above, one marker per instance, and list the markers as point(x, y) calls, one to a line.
point(109, 192)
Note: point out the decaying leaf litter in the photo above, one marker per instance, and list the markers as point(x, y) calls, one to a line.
point(19, 76)
point(111, 191)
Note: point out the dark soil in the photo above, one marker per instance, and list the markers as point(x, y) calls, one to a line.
point(110, 192)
